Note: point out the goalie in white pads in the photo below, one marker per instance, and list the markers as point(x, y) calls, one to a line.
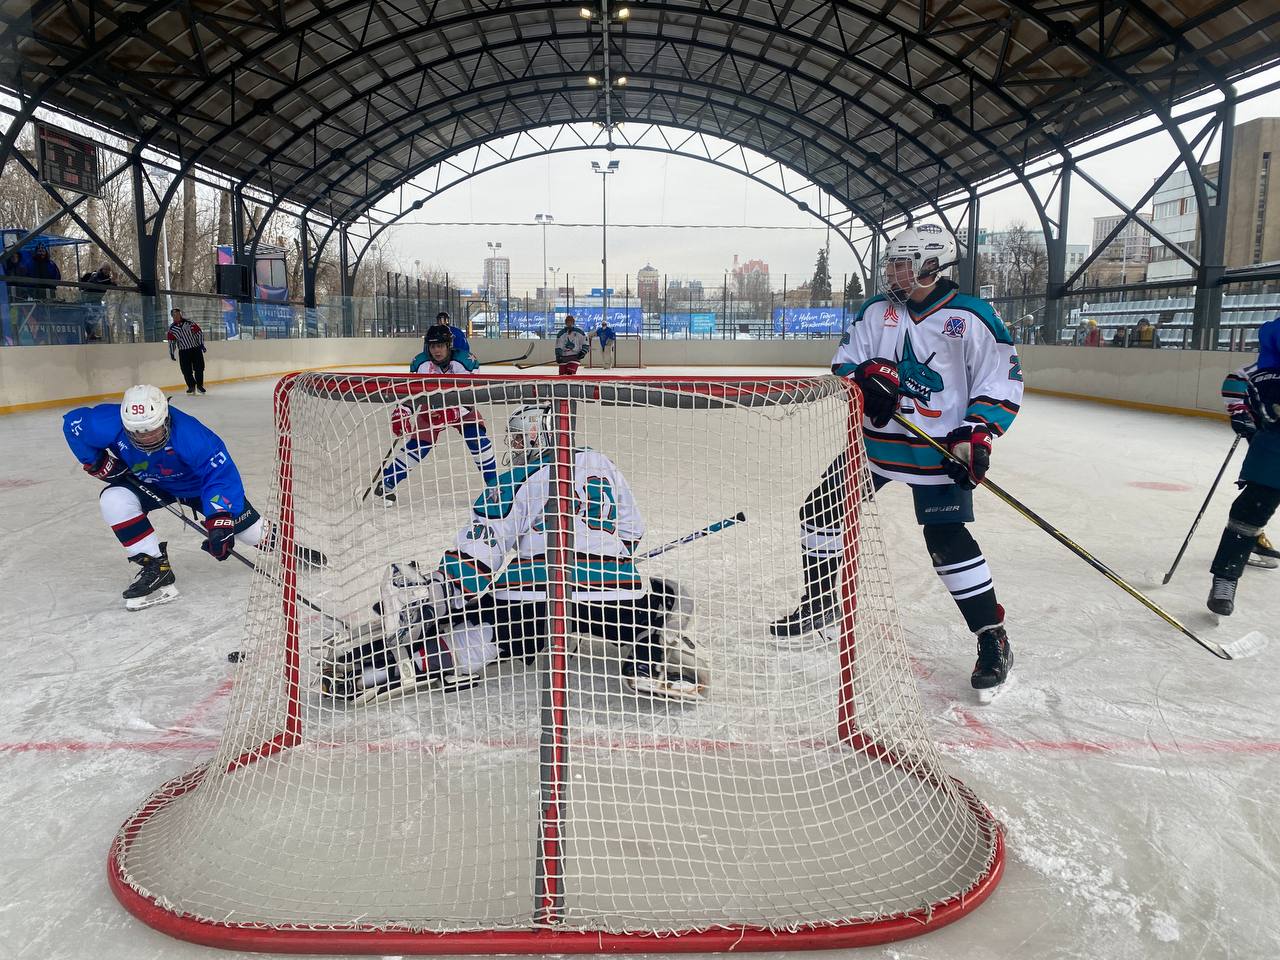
point(442, 629)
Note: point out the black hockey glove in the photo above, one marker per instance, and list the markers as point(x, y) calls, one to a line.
point(222, 535)
point(971, 445)
point(107, 467)
point(1242, 421)
point(878, 380)
point(1264, 398)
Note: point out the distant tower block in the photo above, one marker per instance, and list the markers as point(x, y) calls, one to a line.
point(801, 804)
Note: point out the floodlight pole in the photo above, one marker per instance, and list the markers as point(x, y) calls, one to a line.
point(610, 168)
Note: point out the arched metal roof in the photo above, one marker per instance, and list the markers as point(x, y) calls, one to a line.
point(885, 105)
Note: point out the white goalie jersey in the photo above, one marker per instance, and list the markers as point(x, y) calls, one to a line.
point(956, 363)
point(514, 515)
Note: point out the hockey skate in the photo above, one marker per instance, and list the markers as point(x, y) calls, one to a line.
point(819, 606)
point(1222, 596)
point(995, 660)
point(154, 583)
point(1264, 553)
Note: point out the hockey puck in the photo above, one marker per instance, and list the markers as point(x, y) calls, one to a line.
point(235, 656)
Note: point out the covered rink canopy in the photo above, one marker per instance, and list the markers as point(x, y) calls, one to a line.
point(894, 110)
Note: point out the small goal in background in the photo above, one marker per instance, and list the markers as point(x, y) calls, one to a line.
point(625, 353)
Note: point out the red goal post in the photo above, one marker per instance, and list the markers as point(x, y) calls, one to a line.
point(799, 805)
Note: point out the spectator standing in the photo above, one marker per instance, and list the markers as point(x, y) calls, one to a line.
point(608, 344)
point(43, 268)
point(14, 267)
point(571, 346)
point(94, 299)
point(1092, 335)
point(186, 338)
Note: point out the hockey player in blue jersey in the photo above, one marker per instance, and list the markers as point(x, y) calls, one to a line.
point(441, 630)
point(142, 440)
point(1253, 400)
point(945, 361)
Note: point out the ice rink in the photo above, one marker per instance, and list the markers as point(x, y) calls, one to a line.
point(1136, 775)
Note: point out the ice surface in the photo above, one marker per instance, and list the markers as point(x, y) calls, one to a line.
point(1136, 775)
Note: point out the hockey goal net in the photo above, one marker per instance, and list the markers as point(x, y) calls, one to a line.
point(626, 352)
point(799, 802)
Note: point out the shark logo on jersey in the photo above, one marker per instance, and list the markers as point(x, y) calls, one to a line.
point(919, 381)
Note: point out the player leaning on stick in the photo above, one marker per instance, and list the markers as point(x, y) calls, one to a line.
point(945, 361)
point(424, 427)
point(441, 630)
point(1253, 400)
point(142, 440)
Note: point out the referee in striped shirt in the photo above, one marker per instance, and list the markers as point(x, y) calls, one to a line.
point(185, 337)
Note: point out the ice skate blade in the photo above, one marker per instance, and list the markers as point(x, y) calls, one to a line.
point(153, 599)
point(988, 695)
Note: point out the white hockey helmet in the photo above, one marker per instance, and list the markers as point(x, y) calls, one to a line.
point(144, 411)
point(529, 433)
point(930, 251)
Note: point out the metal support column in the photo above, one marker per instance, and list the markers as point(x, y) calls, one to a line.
point(147, 253)
point(348, 281)
point(308, 269)
point(968, 273)
point(1057, 251)
point(1207, 318)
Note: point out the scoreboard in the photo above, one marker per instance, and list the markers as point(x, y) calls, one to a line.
point(67, 160)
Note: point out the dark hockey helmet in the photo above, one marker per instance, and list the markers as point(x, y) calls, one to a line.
point(438, 334)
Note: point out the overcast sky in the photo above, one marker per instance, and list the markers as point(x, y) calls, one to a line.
point(669, 190)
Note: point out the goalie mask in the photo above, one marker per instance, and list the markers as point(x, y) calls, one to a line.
point(917, 257)
point(144, 412)
point(528, 434)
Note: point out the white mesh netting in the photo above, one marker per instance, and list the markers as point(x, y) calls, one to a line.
point(799, 790)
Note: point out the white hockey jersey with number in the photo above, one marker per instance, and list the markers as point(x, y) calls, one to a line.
point(514, 515)
point(956, 363)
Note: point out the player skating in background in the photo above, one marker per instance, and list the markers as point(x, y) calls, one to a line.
point(1253, 400)
point(143, 441)
point(947, 363)
point(423, 427)
point(1235, 392)
point(461, 347)
point(441, 630)
point(571, 346)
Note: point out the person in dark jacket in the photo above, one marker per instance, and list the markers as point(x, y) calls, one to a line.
point(44, 268)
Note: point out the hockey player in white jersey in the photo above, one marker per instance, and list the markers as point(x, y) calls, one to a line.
point(945, 361)
point(442, 630)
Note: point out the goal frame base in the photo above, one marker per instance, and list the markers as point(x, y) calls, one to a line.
point(366, 941)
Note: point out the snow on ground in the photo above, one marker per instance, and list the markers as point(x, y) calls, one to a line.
point(1136, 775)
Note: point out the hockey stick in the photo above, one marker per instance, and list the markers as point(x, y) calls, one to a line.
point(528, 350)
point(710, 528)
point(1248, 645)
point(525, 365)
point(381, 469)
point(1203, 507)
